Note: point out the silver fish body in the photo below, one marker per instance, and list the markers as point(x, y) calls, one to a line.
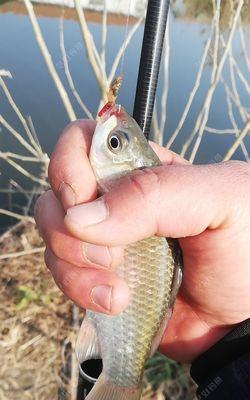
point(151, 268)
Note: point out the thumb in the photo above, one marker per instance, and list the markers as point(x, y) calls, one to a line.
point(172, 200)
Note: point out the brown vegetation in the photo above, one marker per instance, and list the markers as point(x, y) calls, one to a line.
point(36, 332)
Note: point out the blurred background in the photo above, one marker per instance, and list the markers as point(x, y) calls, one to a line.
point(57, 59)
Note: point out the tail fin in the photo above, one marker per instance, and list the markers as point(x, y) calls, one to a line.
point(104, 390)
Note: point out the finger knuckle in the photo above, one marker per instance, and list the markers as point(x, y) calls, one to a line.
point(69, 279)
point(147, 183)
point(66, 249)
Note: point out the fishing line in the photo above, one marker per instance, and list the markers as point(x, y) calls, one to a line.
point(124, 41)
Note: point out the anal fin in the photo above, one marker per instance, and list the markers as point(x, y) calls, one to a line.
point(87, 344)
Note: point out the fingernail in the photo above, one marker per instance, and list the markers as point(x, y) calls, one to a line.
point(102, 296)
point(97, 254)
point(88, 214)
point(67, 195)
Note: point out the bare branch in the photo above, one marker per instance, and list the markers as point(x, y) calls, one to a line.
point(33, 131)
point(17, 216)
point(156, 134)
point(18, 187)
point(230, 105)
point(221, 131)
point(90, 46)
point(243, 113)
point(194, 90)
point(8, 154)
point(48, 60)
point(243, 45)
point(120, 53)
point(237, 142)
point(22, 253)
point(241, 109)
point(17, 135)
point(68, 74)
point(5, 73)
point(231, 96)
point(234, 65)
point(229, 99)
point(20, 116)
point(22, 170)
point(204, 113)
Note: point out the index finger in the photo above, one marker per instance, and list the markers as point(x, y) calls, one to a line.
point(70, 173)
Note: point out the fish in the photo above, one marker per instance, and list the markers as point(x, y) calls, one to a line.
point(151, 267)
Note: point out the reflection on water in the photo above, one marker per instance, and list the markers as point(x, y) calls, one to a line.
point(35, 93)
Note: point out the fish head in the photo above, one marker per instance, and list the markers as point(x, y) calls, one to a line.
point(118, 147)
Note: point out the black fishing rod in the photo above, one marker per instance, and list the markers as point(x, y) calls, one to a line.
point(154, 33)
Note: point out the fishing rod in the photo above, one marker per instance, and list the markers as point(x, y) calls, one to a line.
point(154, 33)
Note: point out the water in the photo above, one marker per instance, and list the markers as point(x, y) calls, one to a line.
point(36, 95)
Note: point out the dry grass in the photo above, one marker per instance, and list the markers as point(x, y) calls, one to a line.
point(36, 333)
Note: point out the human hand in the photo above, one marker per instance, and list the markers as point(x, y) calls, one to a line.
point(207, 206)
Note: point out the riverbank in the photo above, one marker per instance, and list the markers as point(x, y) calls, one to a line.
point(56, 11)
point(135, 8)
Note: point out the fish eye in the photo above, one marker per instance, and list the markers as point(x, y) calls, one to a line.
point(116, 141)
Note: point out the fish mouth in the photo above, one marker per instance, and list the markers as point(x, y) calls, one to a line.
point(90, 370)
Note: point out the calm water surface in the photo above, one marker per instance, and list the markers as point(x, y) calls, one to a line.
point(36, 95)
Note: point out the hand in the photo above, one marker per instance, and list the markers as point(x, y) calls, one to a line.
point(207, 206)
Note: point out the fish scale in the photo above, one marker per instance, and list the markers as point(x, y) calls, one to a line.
point(140, 320)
